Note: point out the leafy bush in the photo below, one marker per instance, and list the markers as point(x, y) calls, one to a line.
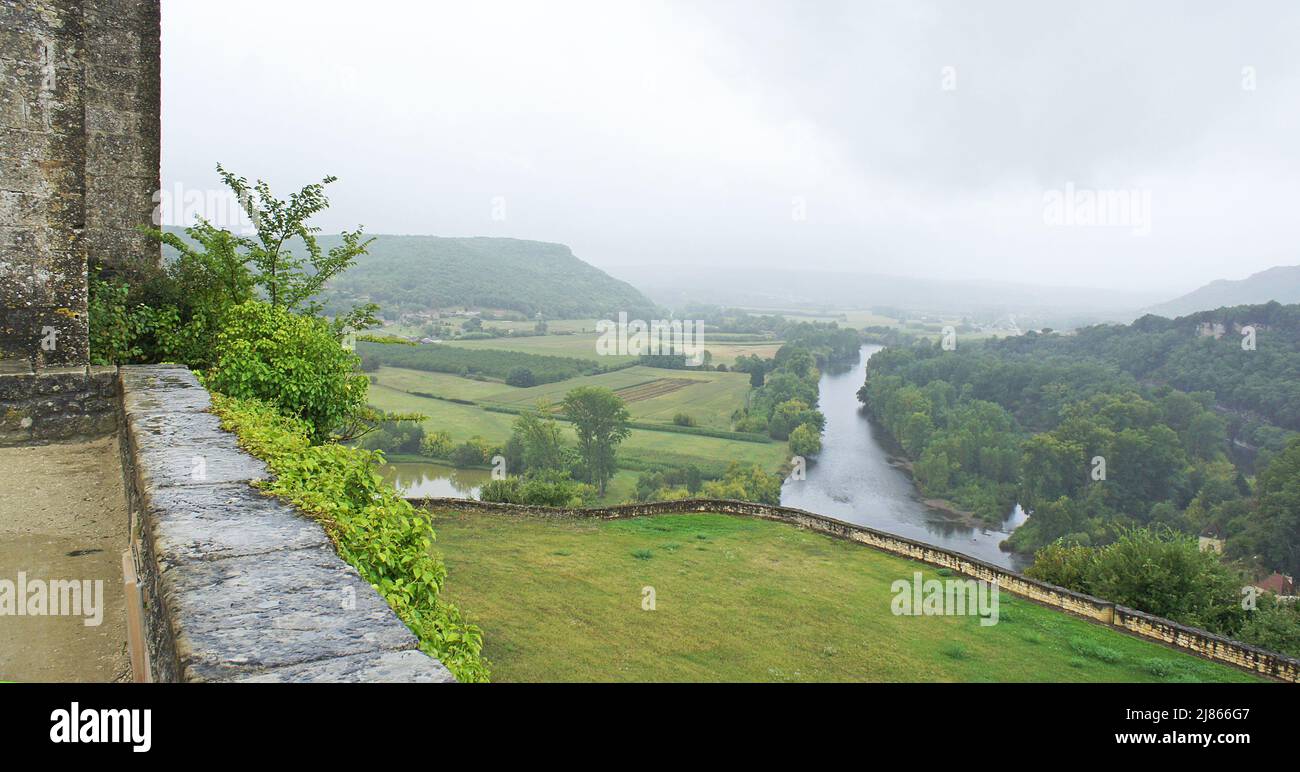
point(1158, 571)
point(293, 362)
point(436, 445)
point(805, 441)
point(405, 437)
point(521, 377)
point(372, 527)
point(472, 452)
point(117, 328)
point(684, 419)
point(745, 484)
point(548, 489)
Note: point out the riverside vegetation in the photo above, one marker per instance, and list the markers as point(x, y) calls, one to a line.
point(1118, 468)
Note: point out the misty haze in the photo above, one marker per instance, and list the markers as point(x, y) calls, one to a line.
point(622, 341)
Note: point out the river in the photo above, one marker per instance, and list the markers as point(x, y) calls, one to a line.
point(853, 480)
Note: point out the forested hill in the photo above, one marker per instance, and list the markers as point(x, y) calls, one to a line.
point(1110, 427)
point(1205, 352)
point(1280, 284)
point(417, 273)
point(412, 273)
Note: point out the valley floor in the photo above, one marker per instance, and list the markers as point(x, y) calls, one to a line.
point(748, 600)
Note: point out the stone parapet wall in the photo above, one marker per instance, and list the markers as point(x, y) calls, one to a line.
point(238, 586)
point(1201, 642)
point(65, 404)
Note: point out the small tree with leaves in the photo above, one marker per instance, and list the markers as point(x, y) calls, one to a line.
point(600, 419)
point(290, 280)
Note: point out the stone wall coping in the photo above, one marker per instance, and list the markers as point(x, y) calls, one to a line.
point(1194, 640)
point(241, 586)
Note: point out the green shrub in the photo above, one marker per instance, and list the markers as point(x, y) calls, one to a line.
point(745, 484)
point(472, 452)
point(805, 440)
point(684, 419)
point(372, 527)
point(521, 377)
point(291, 361)
point(405, 437)
point(436, 445)
point(546, 489)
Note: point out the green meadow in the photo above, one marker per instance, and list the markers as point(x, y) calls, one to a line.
point(645, 448)
point(749, 600)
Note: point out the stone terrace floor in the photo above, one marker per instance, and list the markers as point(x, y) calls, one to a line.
point(63, 516)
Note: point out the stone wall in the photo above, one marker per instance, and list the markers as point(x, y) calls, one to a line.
point(238, 586)
point(59, 405)
point(1191, 639)
point(79, 147)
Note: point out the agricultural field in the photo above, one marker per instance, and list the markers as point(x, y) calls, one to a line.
point(652, 395)
point(443, 385)
point(643, 449)
point(749, 600)
point(583, 346)
point(487, 361)
point(553, 326)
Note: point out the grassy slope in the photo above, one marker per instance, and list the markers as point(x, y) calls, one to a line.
point(748, 600)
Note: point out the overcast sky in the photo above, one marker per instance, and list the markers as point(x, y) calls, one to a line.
point(943, 139)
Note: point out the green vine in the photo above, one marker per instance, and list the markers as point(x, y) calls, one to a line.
point(373, 529)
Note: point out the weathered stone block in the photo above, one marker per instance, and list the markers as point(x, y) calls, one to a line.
point(200, 461)
point(393, 667)
point(238, 616)
point(202, 524)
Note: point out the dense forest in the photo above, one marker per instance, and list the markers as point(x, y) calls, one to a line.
point(1107, 429)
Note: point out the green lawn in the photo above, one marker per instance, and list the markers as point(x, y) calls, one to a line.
point(748, 600)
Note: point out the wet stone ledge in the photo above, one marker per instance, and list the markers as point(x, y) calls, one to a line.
point(239, 586)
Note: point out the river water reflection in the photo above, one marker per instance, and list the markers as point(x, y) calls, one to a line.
point(435, 480)
point(853, 480)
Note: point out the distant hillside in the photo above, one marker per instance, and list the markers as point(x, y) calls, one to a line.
point(409, 273)
point(1058, 307)
point(1281, 284)
point(415, 273)
point(1257, 387)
